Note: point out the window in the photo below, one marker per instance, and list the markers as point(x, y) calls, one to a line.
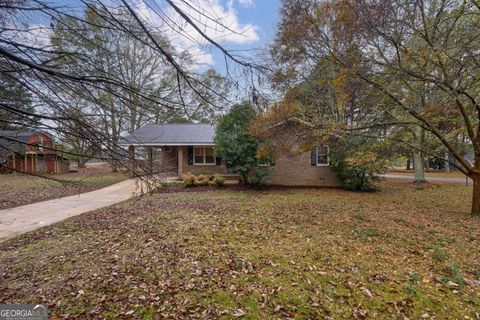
point(322, 155)
point(140, 153)
point(203, 156)
point(157, 153)
point(40, 143)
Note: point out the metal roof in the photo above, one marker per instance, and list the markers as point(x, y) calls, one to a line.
point(13, 141)
point(171, 134)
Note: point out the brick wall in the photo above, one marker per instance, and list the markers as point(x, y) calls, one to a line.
point(293, 161)
point(296, 170)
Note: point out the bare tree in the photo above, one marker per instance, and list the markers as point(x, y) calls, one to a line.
point(57, 52)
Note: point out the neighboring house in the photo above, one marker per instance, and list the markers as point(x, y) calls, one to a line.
point(176, 149)
point(30, 152)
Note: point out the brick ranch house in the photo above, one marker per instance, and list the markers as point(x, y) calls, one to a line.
point(175, 149)
point(30, 152)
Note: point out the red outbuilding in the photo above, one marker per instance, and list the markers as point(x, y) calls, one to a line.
point(30, 152)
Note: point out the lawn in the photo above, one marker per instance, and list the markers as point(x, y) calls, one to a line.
point(403, 252)
point(455, 174)
point(19, 189)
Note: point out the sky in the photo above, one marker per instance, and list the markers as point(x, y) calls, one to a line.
point(262, 15)
point(251, 24)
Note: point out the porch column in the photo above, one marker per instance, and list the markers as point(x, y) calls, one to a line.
point(150, 159)
point(180, 161)
point(131, 158)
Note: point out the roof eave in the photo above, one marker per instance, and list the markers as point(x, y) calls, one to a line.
point(159, 144)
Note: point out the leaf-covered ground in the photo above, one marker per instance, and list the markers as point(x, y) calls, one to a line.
point(18, 189)
point(300, 253)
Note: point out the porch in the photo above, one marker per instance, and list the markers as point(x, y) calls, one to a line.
point(173, 149)
point(167, 160)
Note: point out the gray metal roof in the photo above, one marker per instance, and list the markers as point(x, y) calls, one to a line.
point(13, 141)
point(171, 134)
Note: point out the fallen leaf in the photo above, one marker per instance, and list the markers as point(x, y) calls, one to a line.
point(239, 313)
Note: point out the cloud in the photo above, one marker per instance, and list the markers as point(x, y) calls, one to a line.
point(219, 22)
point(36, 35)
point(246, 3)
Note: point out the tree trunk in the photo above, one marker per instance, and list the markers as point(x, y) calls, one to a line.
point(81, 161)
point(476, 195)
point(447, 164)
point(419, 167)
point(114, 163)
point(418, 160)
point(409, 164)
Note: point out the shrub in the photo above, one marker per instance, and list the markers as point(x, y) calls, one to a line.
point(208, 173)
point(188, 180)
point(202, 180)
point(163, 184)
point(219, 181)
point(234, 143)
point(257, 177)
point(359, 161)
point(191, 180)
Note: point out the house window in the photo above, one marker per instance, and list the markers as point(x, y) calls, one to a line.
point(40, 143)
point(204, 156)
point(140, 153)
point(322, 155)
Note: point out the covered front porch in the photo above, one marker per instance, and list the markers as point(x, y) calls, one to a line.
point(173, 150)
point(159, 159)
point(175, 160)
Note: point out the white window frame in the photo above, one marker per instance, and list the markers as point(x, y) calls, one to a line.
point(204, 163)
point(140, 153)
point(40, 143)
point(323, 154)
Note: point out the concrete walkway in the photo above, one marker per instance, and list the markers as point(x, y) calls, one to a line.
point(458, 180)
point(22, 219)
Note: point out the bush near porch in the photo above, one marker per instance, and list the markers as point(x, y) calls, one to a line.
point(191, 180)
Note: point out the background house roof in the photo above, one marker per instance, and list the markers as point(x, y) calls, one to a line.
point(13, 141)
point(171, 134)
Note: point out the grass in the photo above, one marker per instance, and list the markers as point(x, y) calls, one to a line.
point(18, 189)
point(299, 253)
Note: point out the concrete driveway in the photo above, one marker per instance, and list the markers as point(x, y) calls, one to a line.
point(458, 180)
point(22, 219)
